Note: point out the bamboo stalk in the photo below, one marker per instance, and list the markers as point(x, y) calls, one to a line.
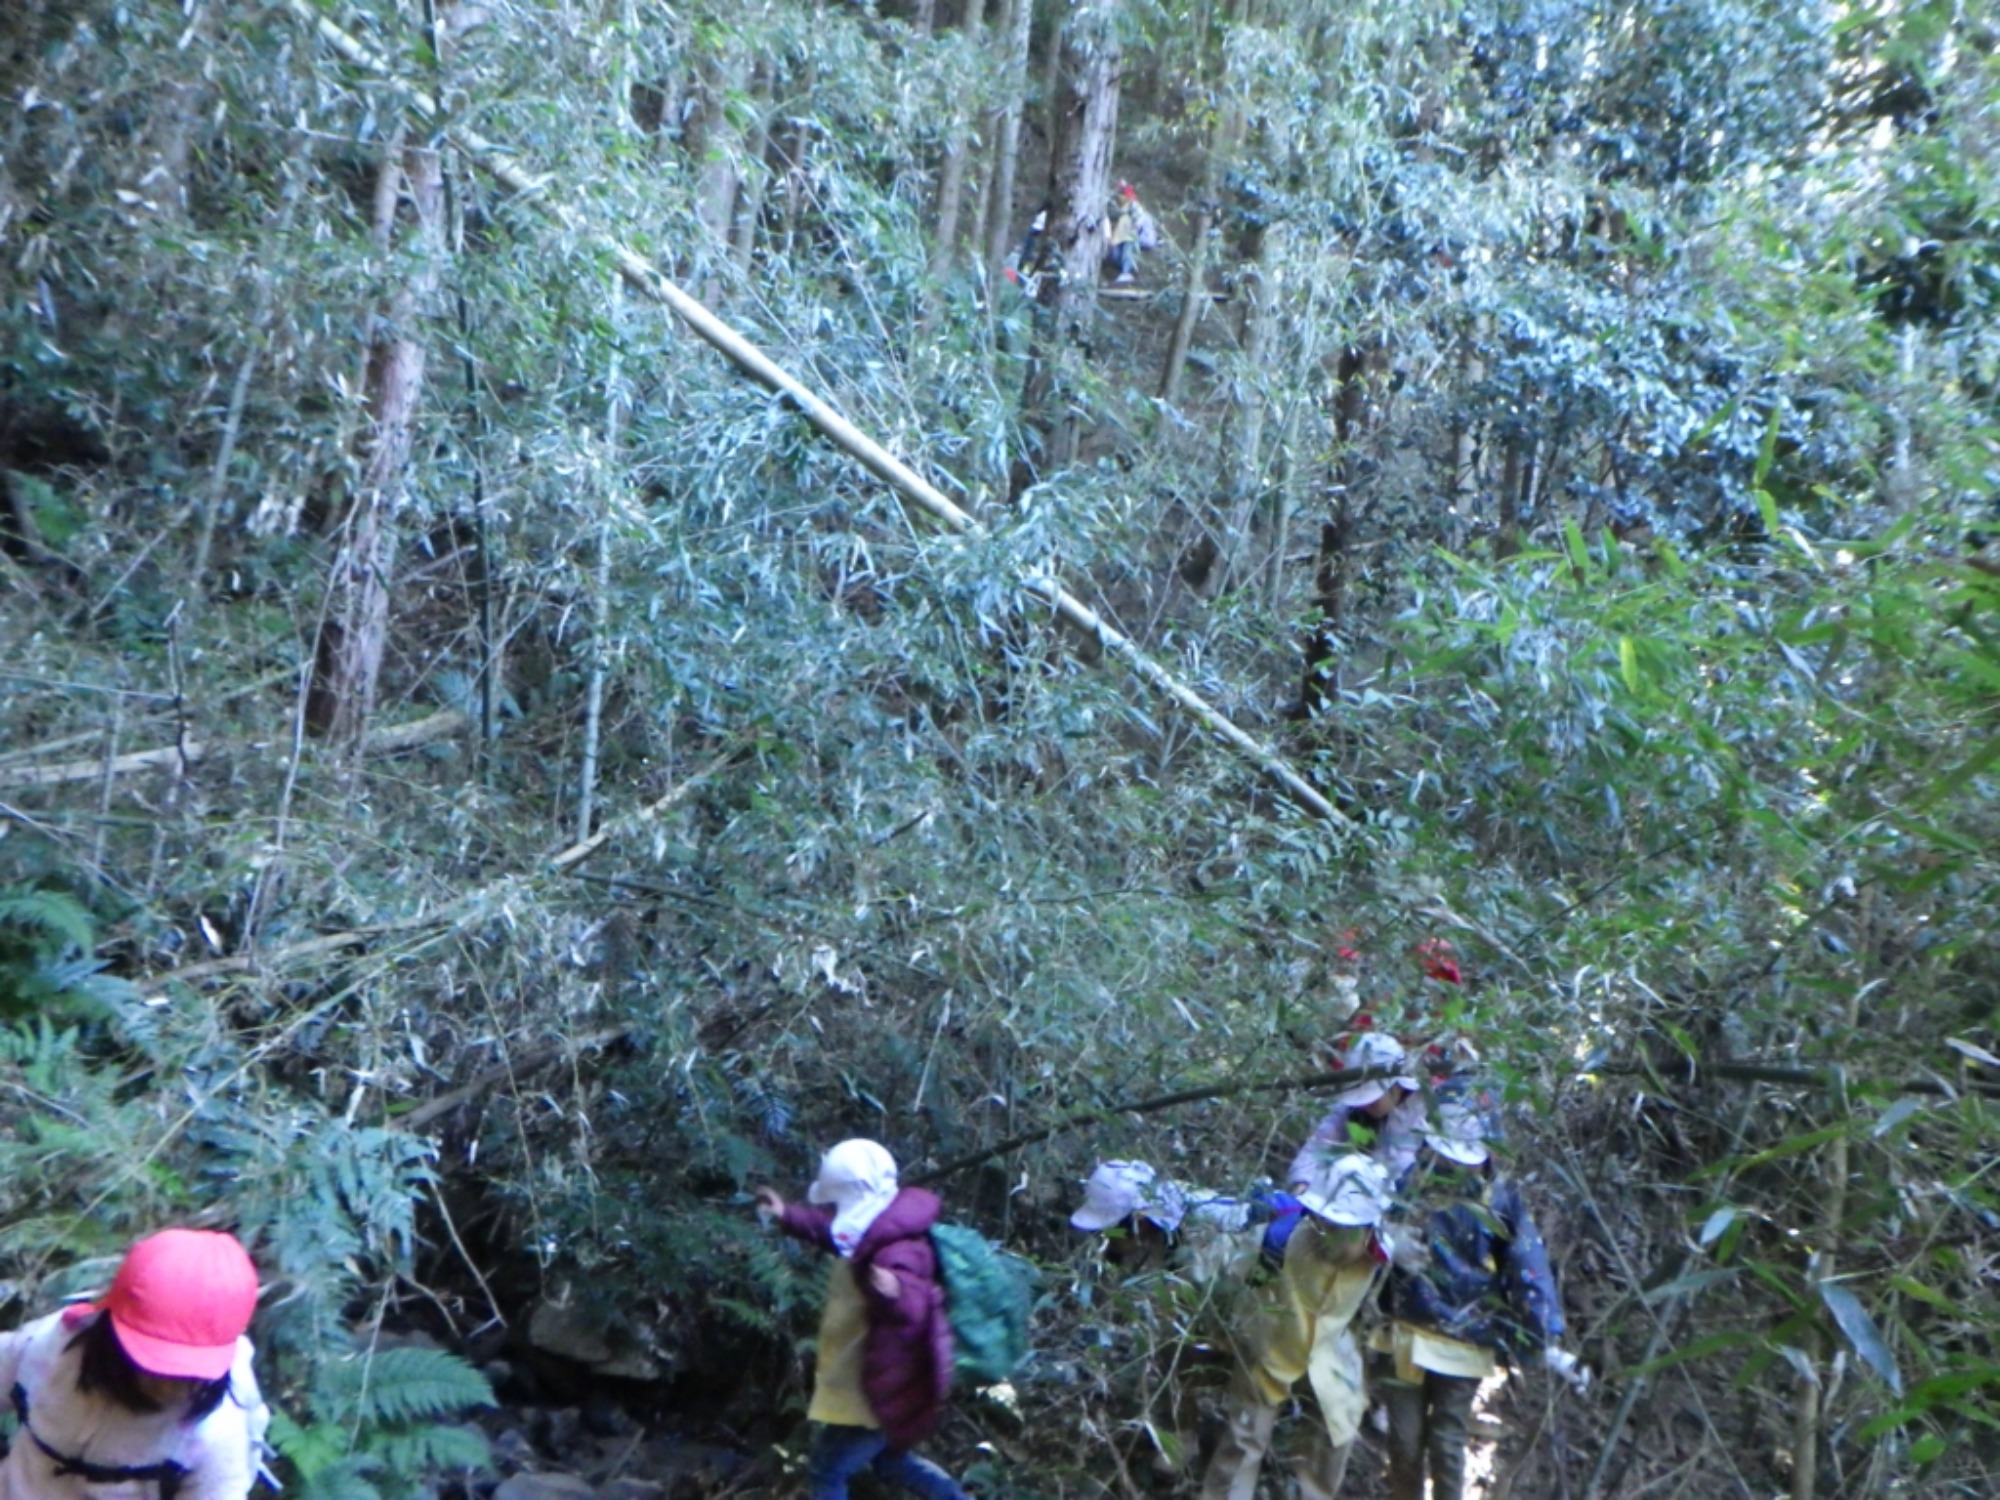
point(438, 726)
point(650, 283)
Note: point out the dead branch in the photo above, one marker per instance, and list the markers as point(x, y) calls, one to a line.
point(387, 740)
point(532, 1061)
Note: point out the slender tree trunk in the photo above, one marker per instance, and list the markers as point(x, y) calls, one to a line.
point(1244, 435)
point(1223, 137)
point(1465, 435)
point(715, 145)
point(1507, 532)
point(1072, 249)
point(354, 633)
point(1007, 140)
point(600, 602)
point(1351, 424)
point(951, 173)
point(756, 172)
point(1283, 503)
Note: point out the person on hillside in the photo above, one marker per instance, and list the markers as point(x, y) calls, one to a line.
point(885, 1343)
point(1382, 1118)
point(1300, 1323)
point(1184, 1252)
point(1131, 229)
point(1149, 1221)
point(1027, 259)
point(150, 1388)
point(1471, 1285)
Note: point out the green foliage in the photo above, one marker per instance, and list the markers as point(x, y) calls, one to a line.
point(1623, 434)
point(49, 963)
point(378, 1430)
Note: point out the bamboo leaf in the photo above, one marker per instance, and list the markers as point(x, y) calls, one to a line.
point(1862, 1333)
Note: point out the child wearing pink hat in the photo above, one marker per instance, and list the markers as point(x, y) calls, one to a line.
point(149, 1389)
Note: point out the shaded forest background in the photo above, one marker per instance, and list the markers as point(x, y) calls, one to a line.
point(483, 782)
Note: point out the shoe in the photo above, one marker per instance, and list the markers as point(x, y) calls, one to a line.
point(1124, 278)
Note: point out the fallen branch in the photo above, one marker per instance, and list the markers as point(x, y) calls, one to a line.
point(532, 1061)
point(1339, 1078)
point(458, 909)
point(649, 282)
point(1752, 1072)
point(386, 740)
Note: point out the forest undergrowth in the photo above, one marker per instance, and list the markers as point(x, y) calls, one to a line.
point(485, 783)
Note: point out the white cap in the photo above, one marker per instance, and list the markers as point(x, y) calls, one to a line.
point(1350, 1190)
point(1457, 1133)
point(1374, 1049)
point(1116, 1190)
point(852, 1171)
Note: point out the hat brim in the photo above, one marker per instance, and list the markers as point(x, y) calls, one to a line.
point(1362, 1094)
point(1096, 1220)
point(171, 1361)
point(1465, 1153)
point(1321, 1210)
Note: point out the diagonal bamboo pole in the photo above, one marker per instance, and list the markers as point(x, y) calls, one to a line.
point(646, 279)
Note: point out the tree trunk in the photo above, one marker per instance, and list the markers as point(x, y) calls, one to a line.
point(600, 587)
point(353, 635)
point(1244, 434)
point(1072, 249)
point(715, 146)
point(1351, 424)
point(1507, 532)
point(1222, 141)
point(951, 173)
point(1465, 435)
point(755, 172)
point(1007, 140)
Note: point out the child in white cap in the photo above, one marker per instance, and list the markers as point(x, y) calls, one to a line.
point(1471, 1284)
point(1301, 1324)
point(885, 1343)
point(1382, 1117)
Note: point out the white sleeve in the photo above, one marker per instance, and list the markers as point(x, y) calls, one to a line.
point(244, 1390)
point(11, 1345)
point(229, 1446)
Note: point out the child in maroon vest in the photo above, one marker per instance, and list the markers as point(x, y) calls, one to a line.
point(885, 1352)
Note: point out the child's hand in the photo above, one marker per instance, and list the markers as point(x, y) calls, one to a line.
point(884, 1281)
point(769, 1204)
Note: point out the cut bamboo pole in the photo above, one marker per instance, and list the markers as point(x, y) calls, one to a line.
point(387, 740)
point(649, 282)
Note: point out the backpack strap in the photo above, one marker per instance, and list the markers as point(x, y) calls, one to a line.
point(166, 1473)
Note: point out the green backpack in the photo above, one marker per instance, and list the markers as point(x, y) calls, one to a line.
point(987, 1294)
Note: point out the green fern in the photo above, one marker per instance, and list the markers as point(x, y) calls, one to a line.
point(61, 920)
point(398, 1386)
point(379, 1427)
point(434, 1448)
point(345, 1480)
point(49, 962)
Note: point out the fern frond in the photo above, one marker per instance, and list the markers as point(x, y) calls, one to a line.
point(346, 1480)
point(313, 1450)
point(51, 913)
point(431, 1448)
point(399, 1385)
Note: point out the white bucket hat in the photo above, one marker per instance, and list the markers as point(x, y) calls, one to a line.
point(1351, 1191)
point(858, 1178)
point(1374, 1049)
point(1116, 1190)
point(1457, 1133)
